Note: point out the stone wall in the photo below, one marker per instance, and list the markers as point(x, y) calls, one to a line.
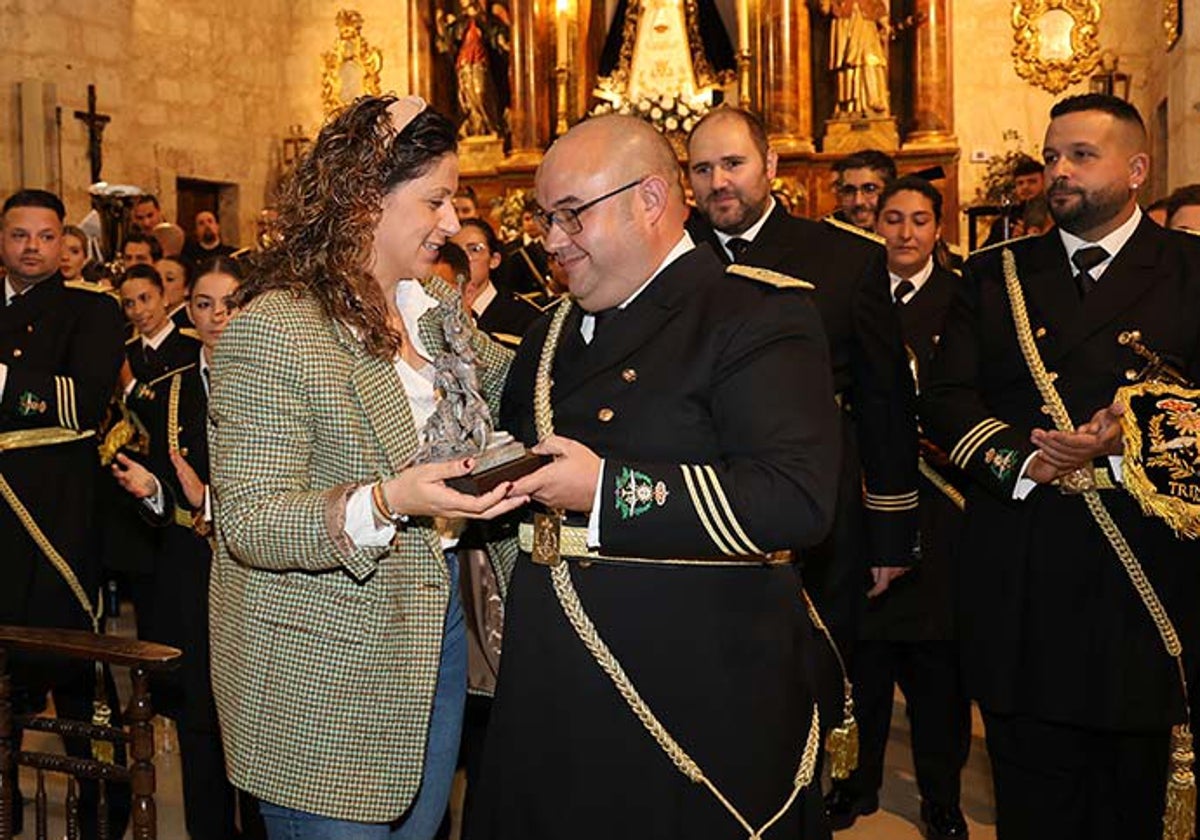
point(989, 97)
point(201, 89)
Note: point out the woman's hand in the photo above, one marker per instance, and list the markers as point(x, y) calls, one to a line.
point(135, 479)
point(421, 491)
point(193, 487)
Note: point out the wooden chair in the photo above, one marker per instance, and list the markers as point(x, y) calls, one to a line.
point(141, 658)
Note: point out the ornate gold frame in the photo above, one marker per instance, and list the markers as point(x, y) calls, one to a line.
point(1170, 20)
point(350, 46)
point(1055, 74)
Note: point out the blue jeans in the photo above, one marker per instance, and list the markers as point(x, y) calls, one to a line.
point(421, 820)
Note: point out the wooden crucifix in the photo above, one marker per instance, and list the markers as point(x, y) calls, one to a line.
point(95, 123)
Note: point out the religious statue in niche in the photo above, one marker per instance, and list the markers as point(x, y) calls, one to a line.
point(667, 61)
point(479, 38)
point(858, 55)
point(352, 68)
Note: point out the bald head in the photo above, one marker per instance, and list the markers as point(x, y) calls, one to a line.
point(625, 147)
point(611, 188)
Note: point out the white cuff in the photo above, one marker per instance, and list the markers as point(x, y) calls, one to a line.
point(360, 524)
point(1116, 465)
point(156, 503)
point(207, 504)
point(3, 378)
point(593, 535)
point(1024, 486)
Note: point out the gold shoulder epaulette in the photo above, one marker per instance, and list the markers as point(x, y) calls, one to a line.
point(996, 245)
point(855, 229)
point(507, 339)
point(169, 374)
point(765, 275)
point(240, 252)
point(132, 339)
point(190, 332)
point(85, 286)
point(953, 248)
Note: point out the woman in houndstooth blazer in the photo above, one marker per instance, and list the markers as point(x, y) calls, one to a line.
point(338, 651)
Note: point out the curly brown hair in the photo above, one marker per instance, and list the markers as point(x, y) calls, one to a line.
point(329, 208)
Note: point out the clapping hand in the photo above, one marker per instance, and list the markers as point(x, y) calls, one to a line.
point(135, 479)
point(1062, 452)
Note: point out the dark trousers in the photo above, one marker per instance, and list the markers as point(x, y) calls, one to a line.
point(938, 712)
point(1070, 783)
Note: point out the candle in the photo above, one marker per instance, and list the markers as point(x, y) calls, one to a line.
point(743, 24)
point(562, 7)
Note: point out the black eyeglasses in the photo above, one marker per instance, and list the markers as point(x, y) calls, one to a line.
point(567, 218)
point(849, 190)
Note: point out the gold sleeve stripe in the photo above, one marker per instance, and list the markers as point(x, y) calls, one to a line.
point(60, 403)
point(701, 511)
point(968, 443)
point(725, 507)
point(892, 503)
point(711, 513)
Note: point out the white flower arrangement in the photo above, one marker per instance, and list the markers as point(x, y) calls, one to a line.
point(667, 113)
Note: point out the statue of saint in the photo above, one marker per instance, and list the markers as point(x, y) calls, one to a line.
point(858, 56)
point(479, 39)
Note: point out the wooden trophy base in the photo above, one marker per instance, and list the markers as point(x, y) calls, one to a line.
point(497, 464)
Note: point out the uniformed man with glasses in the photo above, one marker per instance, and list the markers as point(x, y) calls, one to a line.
point(656, 629)
point(861, 177)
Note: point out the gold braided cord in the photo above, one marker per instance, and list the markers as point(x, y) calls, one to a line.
point(568, 598)
point(43, 542)
point(173, 415)
point(1179, 816)
point(948, 490)
point(1062, 419)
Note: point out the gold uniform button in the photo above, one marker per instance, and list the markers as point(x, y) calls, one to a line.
point(605, 414)
point(629, 375)
point(17, 353)
point(29, 328)
point(1041, 332)
point(1131, 375)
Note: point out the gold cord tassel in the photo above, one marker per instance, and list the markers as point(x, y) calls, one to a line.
point(842, 743)
point(1179, 819)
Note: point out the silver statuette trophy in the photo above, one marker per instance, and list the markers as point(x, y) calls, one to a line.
point(461, 425)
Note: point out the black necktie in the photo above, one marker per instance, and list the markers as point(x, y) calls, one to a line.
point(902, 289)
point(1085, 259)
point(599, 319)
point(738, 248)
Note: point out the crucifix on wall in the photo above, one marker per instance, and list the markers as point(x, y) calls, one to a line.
point(95, 123)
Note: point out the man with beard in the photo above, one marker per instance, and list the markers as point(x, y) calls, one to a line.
point(207, 242)
point(861, 177)
point(61, 345)
point(730, 167)
point(1077, 691)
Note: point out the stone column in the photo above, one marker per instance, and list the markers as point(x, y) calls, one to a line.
point(786, 75)
point(532, 80)
point(933, 86)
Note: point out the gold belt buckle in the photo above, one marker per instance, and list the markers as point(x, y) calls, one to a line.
point(547, 528)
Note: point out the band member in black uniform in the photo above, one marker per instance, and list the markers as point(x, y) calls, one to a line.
point(1077, 692)
point(498, 312)
point(525, 269)
point(730, 168)
point(61, 350)
point(907, 634)
point(173, 487)
point(681, 464)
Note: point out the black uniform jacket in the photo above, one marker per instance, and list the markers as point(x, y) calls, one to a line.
point(920, 605)
point(525, 268)
point(62, 346)
point(870, 371)
point(1050, 623)
point(709, 397)
point(507, 317)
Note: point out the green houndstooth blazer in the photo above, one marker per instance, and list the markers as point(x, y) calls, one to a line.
point(324, 656)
